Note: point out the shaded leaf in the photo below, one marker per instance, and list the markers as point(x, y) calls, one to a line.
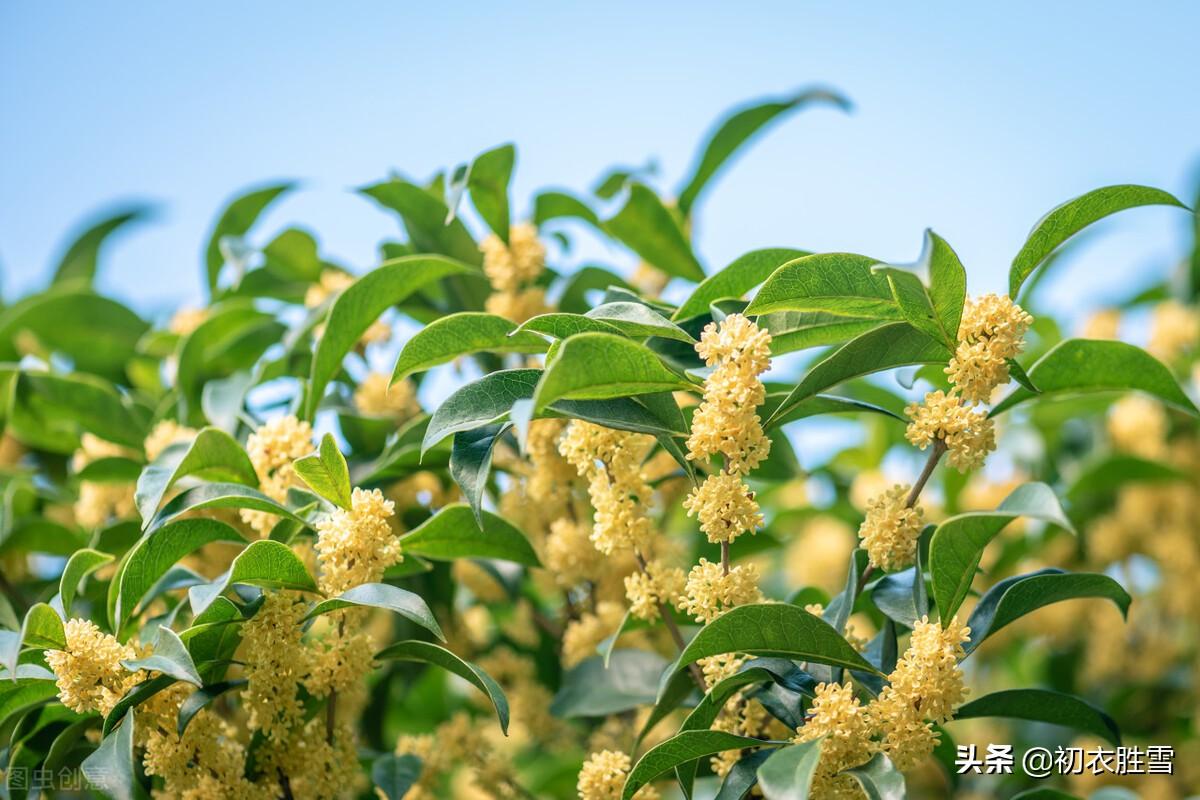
point(788, 773)
point(81, 564)
point(212, 455)
point(439, 656)
point(1043, 705)
point(110, 769)
point(598, 366)
point(879, 779)
point(471, 462)
point(487, 183)
point(236, 220)
point(592, 689)
point(380, 595)
point(680, 749)
point(649, 229)
point(395, 775)
point(450, 337)
point(452, 533)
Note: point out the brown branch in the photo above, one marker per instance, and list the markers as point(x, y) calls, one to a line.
point(935, 455)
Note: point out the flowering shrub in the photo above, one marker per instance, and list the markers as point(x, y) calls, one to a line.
point(259, 550)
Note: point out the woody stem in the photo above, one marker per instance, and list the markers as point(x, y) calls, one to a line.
point(935, 455)
point(673, 629)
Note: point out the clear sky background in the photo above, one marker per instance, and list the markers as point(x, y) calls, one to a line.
point(973, 120)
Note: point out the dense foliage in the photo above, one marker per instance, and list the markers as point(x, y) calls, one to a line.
point(482, 521)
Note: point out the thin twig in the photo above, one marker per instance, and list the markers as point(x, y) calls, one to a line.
point(285, 785)
point(935, 455)
point(725, 557)
point(669, 621)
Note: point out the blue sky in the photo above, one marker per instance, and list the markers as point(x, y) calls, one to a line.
point(971, 120)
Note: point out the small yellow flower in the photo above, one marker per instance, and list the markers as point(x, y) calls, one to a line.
point(611, 460)
point(276, 663)
point(511, 266)
point(357, 546)
point(845, 726)
point(89, 674)
point(1174, 329)
point(725, 507)
point(1138, 425)
point(891, 529)
point(967, 432)
point(989, 334)
point(603, 777)
point(582, 636)
point(272, 449)
point(657, 584)
point(375, 398)
point(330, 283)
point(186, 320)
point(166, 433)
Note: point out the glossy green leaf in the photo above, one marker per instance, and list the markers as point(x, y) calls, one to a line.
point(49, 411)
point(169, 656)
point(326, 473)
point(211, 455)
point(81, 564)
point(836, 283)
point(879, 779)
point(799, 330)
point(381, 595)
point(487, 183)
point(441, 657)
point(110, 768)
point(1073, 216)
point(156, 553)
point(773, 629)
point(1079, 366)
point(263, 563)
point(218, 495)
point(598, 366)
point(1014, 597)
point(552, 205)
point(931, 295)
point(236, 220)
point(456, 335)
point(452, 533)
point(293, 255)
point(958, 543)
point(561, 325)
point(361, 303)
point(82, 256)
point(649, 229)
point(738, 128)
point(736, 279)
point(425, 219)
point(788, 773)
point(886, 347)
point(680, 749)
point(200, 699)
point(485, 401)
point(592, 689)
point(1043, 705)
point(471, 463)
point(635, 319)
point(41, 629)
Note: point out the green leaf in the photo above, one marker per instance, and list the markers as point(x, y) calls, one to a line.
point(293, 256)
point(110, 769)
point(425, 216)
point(649, 229)
point(788, 773)
point(832, 404)
point(452, 533)
point(837, 283)
point(361, 303)
point(678, 750)
point(395, 775)
point(598, 366)
point(561, 325)
point(236, 220)
point(1079, 366)
point(886, 347)
point(49, 411)
point(156, 553)
point(326, 473)
point(211, 455)
point(760, 670)
point(743, 776)
point(471, 462)
point(735, 280)
point(488, 184)
point(635, 319)
point(1042, 705)
point(740, 127)
point(1106, 475)
point(592, 689)
point(42, 629)
point(482, 402)
point(935, 308)
point(81, 564)
point(1073, 216)
point(381, 595)
point(561, 205)
point(99, 335)
point(83, 254)
point(799, 330)
point(169, 656)
point(773, 630)
point(439, 656)
point(467, 332)
point(588, 279)
point(200, 699)
point(235, 327)
point(958, 543)
point(263, 563)
point(218, 495)
point(879, 779)
point(1014, 597)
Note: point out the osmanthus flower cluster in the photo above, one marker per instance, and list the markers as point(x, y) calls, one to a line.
point(513, 268)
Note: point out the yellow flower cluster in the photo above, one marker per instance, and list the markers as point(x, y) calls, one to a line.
point(552, 476)
point(925, 685)
point(891, 529)
point(727, 422)
point(315, 766)
point(725, 507)
point(186, 320)
point(603, 777)
point(1136, 424)
point(276, 663)
point(966, 432)
point(1174, 329)
point(89, 674)
point(582, 636)
point(511, 269)
point(374, 398)
point(846, 727)
point(339, 664)
point(206, 762)
point(611, 461)
point(166, 433)
point(990, 332)
point(357, 546)
point(710, 591)
point(272, 449)
point(335, 281)
point(651, 587)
